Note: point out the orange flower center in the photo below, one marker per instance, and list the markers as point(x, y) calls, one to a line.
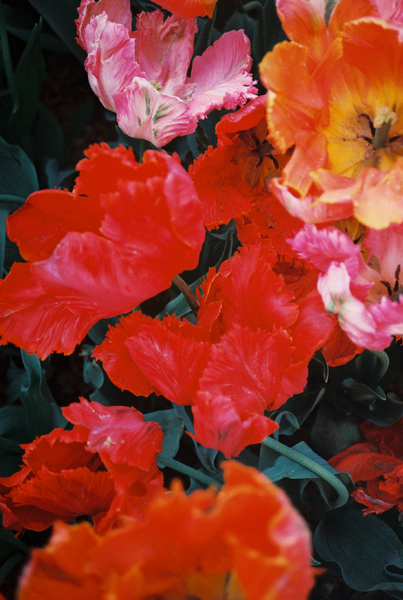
point(362, 131)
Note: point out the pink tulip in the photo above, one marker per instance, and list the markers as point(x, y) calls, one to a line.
point(142, 75)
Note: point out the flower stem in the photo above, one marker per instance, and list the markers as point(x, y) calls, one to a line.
point(187, 292)
point(167, 461)
point(313, 466)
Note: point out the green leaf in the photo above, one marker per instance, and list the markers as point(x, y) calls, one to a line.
point(17, 173)
point(48, 135)
point(42, 413)
point(6, 59)
point(12, 423)
point(172, 426)
point(60, 16)
point(371, 366)
point(10, 446)
point(93, 373)
point(294, 412)
point(9, 463)
point(367, 551)
point(20, 21)
point(28, 78)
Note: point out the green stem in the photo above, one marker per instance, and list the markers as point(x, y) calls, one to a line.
point(313, 466)
point(166, 461)
point(9, 565)
point(187, 292)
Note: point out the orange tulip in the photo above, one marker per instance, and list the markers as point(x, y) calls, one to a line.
point(244, 542)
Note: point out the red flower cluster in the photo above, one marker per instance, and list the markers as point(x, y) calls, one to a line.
point(248, 353)
point(105, 467)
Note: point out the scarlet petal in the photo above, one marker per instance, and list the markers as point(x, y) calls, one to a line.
point(118, 433)
point(71, 582)
point(172, 360)
point(61, 494)
point(33, 318)
point(117, 360)
point(247, 366)
point(45, 218)
point(189, 8)
point(220, 425)
point(150, 230)
point(245, 541)
point(251, 293)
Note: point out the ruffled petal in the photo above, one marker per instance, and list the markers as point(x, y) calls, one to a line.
point(143, 112)
point(220, 76)
point(117, 360)
point(118, 433)
point(172, 361)
point(220, 425)
point(164, 49)
point(151, 230)
point(118, 12)
point(110, 63)
point(247, 366)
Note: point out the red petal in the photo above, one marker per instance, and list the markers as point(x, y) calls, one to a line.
point(220, 425)
point(118, 433)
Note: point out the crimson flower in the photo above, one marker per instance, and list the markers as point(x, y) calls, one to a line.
point(231, 178)
point(248, 353)
point(119, 238)
point(104, 467)
point(376, 465)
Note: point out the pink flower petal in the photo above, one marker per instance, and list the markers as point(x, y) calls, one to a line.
point(370, 327)
point(111, 61)
point(220, 75)
point(117, 12)
point(334, 287)
point(308, 209)
point(324, 246)
point(164, 50)
point(145, 113)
